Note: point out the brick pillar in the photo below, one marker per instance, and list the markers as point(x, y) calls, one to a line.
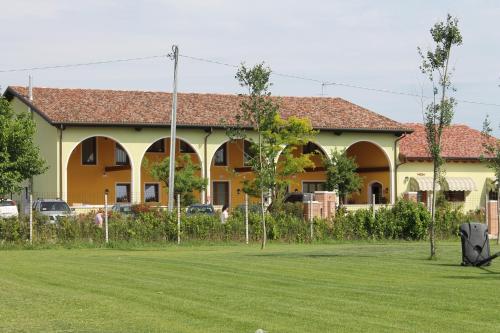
point(314, 211)
point(492, 217)
point(410, 196)
point(327, 201)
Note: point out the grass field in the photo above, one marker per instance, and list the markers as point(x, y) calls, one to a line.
point(352, 287)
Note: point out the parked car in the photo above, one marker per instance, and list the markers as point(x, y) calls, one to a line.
point(252, 208)
point(122, 208)
point(207, 209)
point(53, 208)
point(8, 208)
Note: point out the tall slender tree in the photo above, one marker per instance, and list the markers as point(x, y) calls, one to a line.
point(439, 113)
point(275, 137)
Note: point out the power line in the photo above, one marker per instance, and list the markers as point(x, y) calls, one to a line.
point(331, 83)
point(291, 76)
point(401, 93)
point(102, 62)
point(215, 62)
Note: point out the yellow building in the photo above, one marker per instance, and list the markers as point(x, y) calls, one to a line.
point(467, 179)
point(97, 140)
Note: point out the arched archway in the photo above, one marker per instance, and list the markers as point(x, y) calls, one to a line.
point(374, 167)
point(313, 178)
point(230, 168)
point(96, 164)
point(153, 190)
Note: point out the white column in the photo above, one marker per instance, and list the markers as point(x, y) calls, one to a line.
point(135, 186)
point(393, 185)
point(209, 186)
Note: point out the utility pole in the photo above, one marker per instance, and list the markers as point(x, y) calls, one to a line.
point(173, 126)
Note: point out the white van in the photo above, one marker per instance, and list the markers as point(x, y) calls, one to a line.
point(8, 208)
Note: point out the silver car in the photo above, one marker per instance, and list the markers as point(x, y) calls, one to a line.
point(8, 208)
point(53, 208)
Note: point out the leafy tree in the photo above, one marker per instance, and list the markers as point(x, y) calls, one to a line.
point(341, 174)
point(439, 113)
point(186, 180)
point(492, 158)
point(272, 160)
point(19, 156)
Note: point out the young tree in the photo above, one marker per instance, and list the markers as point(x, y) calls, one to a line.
point(275, 137)
point(439, 113)
point(492, 158)
point(19, 156)
point(341, 174)
point(185, 182)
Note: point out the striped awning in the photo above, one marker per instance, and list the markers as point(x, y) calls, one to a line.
point(451, 184)
point(460, 184)
point(422, 184)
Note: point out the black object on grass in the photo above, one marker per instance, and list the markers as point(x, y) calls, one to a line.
point(476, 245)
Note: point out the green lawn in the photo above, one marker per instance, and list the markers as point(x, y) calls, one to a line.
point(352, 287)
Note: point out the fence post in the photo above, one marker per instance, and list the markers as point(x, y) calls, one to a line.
point(373, 205)
point(310, 217)
point(178, 218)
point(106, 215)
point(486, 197)
point(246, 218)
point(31, 217)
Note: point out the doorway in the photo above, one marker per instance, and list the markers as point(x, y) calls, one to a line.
point(220, 193)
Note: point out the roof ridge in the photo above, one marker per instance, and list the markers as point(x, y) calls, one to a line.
point(180, 92)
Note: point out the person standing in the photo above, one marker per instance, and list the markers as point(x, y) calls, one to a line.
point(98, 218)
point(224, 214)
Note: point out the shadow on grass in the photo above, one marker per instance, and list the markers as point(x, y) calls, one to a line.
point(310, 255)
point(483, 273)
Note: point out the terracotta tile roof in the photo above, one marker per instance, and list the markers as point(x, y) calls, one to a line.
point(460, 142)
point(111, 107)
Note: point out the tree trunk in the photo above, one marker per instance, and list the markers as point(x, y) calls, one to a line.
point(433, 213)
point(263, 216)
point(263, 213)
point(498, 212)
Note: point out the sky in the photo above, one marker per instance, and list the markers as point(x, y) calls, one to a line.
point(371, 44)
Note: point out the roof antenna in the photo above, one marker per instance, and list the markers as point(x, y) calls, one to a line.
point(30, 88)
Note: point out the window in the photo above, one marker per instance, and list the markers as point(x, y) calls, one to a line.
point(121, 157)
point(454, 196)
point(422, 197)
point(248, 153)
point(220, 157)
point(311, 187)
point(311, 148)
point(89, 151)
point(221, 193)
point(157, 147)
point(184, 147)
point(122, 192)
point(151, 193)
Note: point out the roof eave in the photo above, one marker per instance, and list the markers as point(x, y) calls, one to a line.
point(429, 159)
point(11, 93)
point(163, 125)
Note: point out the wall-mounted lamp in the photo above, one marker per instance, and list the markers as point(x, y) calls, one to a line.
point(238, 191)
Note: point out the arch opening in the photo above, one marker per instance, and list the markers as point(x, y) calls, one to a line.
point(97, 164)
point(374, 169)
point(155, 191)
